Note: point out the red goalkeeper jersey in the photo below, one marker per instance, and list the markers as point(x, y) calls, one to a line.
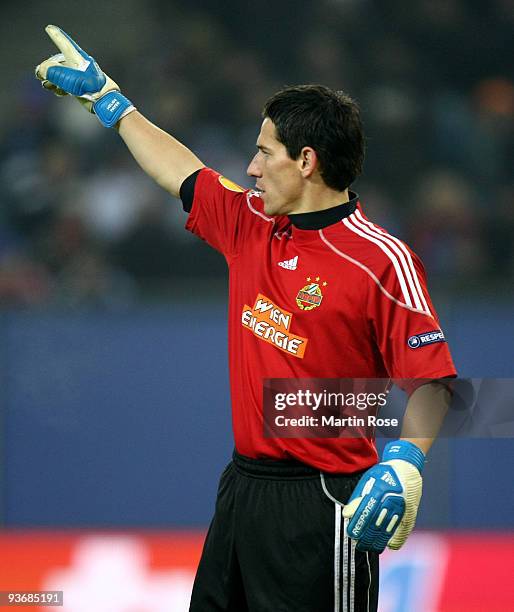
point(326, 294)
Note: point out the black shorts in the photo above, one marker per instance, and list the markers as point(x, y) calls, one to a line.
point(278, 543)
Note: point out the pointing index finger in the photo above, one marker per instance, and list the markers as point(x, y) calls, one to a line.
point(68, 47)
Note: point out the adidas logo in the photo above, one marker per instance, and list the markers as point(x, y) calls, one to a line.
point(289, 264)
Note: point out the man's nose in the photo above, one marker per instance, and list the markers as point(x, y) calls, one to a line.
point(253, 168)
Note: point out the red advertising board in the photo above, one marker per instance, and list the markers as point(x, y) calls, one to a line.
point(153, 571)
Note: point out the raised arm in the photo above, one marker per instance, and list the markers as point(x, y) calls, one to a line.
point(160, 155)
point(74, 72)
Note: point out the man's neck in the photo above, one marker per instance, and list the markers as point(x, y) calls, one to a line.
point(315, 198)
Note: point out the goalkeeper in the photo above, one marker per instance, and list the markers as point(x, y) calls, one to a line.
point(299, 523)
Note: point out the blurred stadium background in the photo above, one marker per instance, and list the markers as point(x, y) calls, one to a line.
point(114, 408)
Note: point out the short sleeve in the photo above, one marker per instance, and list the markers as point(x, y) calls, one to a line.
point(222, 213)
point(408, 336)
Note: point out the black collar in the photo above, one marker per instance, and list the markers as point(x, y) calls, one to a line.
point(323, 218)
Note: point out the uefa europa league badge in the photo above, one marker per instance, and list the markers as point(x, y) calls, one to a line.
point(310, 296)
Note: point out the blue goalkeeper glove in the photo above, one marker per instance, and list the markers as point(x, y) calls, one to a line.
point(383, 507)
point(76, 73)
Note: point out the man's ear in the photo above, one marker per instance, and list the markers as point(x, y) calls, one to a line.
point(308, 161)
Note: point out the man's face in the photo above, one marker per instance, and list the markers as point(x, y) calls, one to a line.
point(278, 177)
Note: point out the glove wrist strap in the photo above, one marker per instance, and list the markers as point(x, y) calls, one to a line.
point(112, 107)
point(402, 449)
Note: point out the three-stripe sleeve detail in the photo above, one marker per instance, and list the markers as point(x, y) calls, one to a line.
point(371, 274)
point(394, 260)
point(406, 258)
point(397, 254)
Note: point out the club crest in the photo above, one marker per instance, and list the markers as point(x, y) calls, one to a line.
point(310, 296)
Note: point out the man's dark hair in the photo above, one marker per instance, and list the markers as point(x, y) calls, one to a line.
point(326, 120)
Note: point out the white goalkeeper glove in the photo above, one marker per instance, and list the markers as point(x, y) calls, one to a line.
point(74, 72)
point(383, 507)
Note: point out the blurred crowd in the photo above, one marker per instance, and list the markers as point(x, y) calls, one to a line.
point(80, 224)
